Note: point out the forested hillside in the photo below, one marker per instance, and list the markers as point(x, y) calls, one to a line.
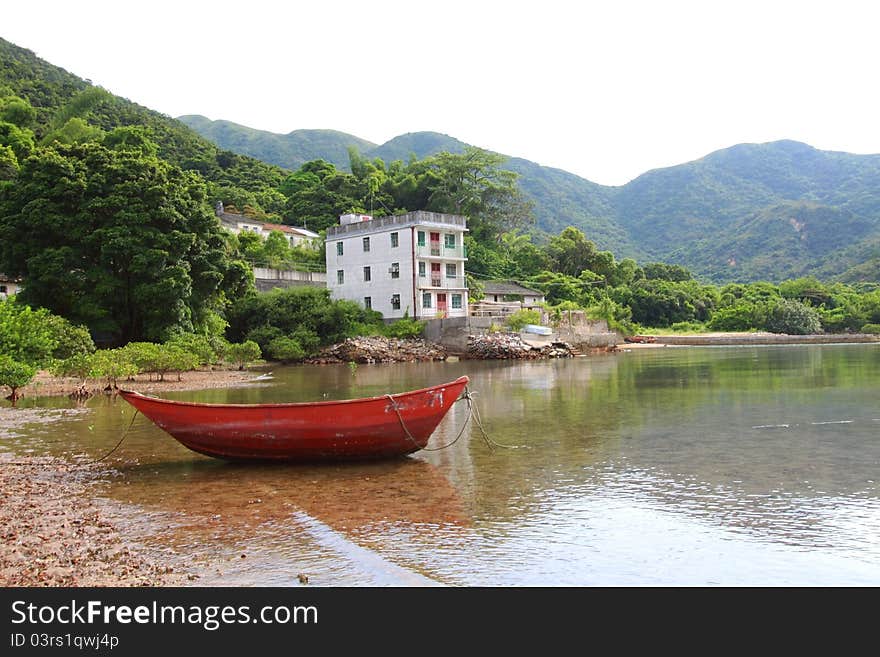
point(749, 212)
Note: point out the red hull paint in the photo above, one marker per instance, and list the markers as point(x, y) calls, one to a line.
point(331, 430)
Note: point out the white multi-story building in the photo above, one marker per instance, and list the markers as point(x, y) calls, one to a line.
point(411, 263)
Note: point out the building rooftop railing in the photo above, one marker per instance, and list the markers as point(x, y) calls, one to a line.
point(408, 219)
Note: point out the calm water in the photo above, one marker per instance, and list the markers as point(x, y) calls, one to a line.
point(676, 466)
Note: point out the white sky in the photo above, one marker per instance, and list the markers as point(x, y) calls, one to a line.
point(606, 90)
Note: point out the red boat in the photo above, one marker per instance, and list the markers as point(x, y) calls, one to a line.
point(372, 427)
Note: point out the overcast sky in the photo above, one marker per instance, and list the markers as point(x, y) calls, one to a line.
point(606, 90)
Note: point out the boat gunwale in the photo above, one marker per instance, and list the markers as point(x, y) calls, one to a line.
point(329, 402)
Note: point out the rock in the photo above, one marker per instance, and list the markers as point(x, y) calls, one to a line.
point(374, 349)
point(511, 345)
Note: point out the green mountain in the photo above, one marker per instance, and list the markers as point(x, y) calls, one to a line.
point(758, 211)
point(289, 151)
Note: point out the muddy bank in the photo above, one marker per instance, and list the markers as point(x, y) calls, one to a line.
point(46, 385)
point(53, 533)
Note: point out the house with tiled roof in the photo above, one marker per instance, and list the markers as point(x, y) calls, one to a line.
point(505, 291)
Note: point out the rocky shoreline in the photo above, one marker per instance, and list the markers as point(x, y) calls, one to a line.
point(55, 534)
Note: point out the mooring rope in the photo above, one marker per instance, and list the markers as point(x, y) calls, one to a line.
point(124, 434)
point(115, 447)
point(473, 413)
point(478, 421)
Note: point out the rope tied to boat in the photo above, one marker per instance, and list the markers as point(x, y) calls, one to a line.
point(124, 434)
point(473, 414)
point(115, 447)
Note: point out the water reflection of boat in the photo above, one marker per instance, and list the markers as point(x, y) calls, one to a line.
point(346, 497)
point(370, 427)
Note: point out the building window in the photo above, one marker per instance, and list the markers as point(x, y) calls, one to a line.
point(422, 273)
point(456, 301)
point(339, 248)
point(449, 240)
point(368, 303)
point(426, 300)
point(340, 276)
point(395, 302)
point(450, 270)
point(394, 240)
point(421, 238)
point(366, 244)
point(395, 270)
point(368, 276)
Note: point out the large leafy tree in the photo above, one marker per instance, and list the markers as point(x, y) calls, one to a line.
point(474, 184)
point(110, 236)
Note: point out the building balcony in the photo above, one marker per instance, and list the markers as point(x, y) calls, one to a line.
point(441, 252)
point(442, 282)
point(442, 313)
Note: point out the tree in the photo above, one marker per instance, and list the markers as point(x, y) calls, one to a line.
point(666, 272)
point(113, 238)
point(15, 375)
point(243, 353)
point(571, 252)
point(19, 140)
point(473, 184)
point(18, 111)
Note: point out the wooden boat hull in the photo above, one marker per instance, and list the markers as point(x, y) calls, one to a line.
point(367, 428)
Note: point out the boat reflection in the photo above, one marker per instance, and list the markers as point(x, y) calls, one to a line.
point(207, 495)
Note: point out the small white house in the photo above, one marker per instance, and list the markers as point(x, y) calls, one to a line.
point(411, 263)
point(239, 223)
point(8, 286)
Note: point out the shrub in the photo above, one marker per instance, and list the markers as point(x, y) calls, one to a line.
point(871, 328)
point(174, 358)
point(198, 345)
point(244, 353)
point(404, 328)
point(794, 318)
point(144, 355)
point(25, 334)
point(517, 320)
point(285, 349)
point(263, 336)
point(78, 365)
point(112, 365)
point(71, 339)
point(743, 316)
point(687, 327)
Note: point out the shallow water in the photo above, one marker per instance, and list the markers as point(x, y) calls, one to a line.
point(681, 466)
